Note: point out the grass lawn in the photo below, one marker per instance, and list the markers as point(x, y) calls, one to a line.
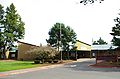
point(7, 65)
point(15, 65)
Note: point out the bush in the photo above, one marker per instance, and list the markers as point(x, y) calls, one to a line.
point(55, 61)
point(36, 61)
point(49, 61)
point(43, 53)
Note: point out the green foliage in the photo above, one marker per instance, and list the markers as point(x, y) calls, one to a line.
point(42, 53)
point(11, 25)
point(89, 1)
point(62, 36)
point(99, 42)
point(1, 25)
point(116, 41)
point(1, 14)
point(14, 26)
point(116, 32)
point(36, 61)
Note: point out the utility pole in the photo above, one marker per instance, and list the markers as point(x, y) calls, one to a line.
point(60, 44)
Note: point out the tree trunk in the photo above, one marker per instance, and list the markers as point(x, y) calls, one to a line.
point(68, 55)
point(58, 46)
point(4, 52)
point(76, 55)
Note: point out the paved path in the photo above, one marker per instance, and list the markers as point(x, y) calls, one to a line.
point(75, 70)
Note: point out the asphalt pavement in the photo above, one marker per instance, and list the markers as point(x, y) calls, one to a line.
point(75, 70)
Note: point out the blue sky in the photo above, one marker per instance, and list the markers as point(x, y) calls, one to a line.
point(89, 22)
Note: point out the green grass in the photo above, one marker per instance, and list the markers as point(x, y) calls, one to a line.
point(15, 65)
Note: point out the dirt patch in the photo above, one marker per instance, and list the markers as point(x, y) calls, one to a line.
point(7, 60)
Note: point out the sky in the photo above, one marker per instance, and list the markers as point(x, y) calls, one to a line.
point(90, 22)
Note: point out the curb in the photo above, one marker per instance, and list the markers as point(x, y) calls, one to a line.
point(2, 75)
point(104, 66)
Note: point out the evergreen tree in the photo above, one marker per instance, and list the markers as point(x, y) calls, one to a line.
point(99, 42)
point(12, 28)
point(116, 32)
point(1, 25)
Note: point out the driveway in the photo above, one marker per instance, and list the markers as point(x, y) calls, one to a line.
point(84, 66)
point(76, 70)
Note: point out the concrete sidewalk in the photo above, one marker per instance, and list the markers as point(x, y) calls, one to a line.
point(13, 72)
point(85, 59)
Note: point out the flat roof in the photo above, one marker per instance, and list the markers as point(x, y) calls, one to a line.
point(103, 47)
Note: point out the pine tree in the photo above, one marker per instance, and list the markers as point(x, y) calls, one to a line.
point(12, 28)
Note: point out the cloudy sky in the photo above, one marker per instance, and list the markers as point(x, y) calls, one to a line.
point(89, 22)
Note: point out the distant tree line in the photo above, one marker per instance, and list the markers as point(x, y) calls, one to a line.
point(100, 41)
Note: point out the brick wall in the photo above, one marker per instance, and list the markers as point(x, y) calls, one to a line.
point(23, 49)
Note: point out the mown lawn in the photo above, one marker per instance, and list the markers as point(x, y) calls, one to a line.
point(15, 65)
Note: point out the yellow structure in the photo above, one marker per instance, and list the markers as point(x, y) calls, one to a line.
point(83, 49)
point(7, 54)
point(82, 46)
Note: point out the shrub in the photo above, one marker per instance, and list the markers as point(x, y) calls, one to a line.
point(55, 61)
point(49, 60)
point(43, 53)
point(36, 61)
